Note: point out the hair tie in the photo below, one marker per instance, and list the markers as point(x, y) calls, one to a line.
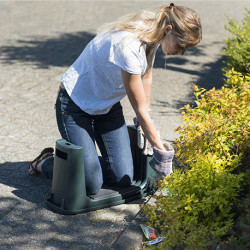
point(171, 5)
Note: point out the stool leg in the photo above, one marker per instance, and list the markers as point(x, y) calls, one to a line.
point(68, 184)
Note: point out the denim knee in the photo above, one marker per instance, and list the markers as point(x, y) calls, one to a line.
point(92, 188)
point(125, 181)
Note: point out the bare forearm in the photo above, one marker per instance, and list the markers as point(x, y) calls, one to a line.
point(147, 86)
point(137, 97)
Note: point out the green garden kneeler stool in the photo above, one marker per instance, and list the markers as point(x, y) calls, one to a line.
point(68, 193)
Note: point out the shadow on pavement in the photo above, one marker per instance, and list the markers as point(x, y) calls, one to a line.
point(34, 189)
point(64, 49)
point(210, 76)
point(25, 217)
point(162, 61)
point(60, 51)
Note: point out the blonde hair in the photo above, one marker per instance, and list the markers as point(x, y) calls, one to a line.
point(149, 27)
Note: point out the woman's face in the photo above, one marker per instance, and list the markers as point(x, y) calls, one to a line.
point(170, 43)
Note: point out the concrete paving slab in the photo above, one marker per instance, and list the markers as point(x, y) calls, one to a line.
point(38, 42)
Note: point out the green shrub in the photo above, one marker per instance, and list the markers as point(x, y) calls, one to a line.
point(235, 79)
point(198, 209)
point(219, 125)
point(202, 200)
point(237, 47)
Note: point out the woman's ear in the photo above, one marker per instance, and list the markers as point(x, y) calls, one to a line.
point(168, 28)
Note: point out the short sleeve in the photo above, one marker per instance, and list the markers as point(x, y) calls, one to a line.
point(130, 57)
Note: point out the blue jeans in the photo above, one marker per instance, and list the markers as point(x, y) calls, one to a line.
point(110, 133)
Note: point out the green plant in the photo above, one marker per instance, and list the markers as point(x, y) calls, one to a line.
point(203, 198)
point(237, 47)
point(198, 209)
point(235, 79)
point(219, 125)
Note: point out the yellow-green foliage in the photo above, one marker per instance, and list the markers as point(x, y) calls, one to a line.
point(235, 79)
point(237, 47)
point(197, 208)
point(219, 125)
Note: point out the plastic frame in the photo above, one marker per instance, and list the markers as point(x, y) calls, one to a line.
point(68, 192)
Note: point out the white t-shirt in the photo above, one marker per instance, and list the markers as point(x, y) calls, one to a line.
point(94, 81)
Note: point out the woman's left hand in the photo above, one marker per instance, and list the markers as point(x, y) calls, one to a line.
point(137, 97)
point(142, 141)
point(162, 160)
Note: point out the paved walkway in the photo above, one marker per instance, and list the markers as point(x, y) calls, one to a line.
point(38, 42)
